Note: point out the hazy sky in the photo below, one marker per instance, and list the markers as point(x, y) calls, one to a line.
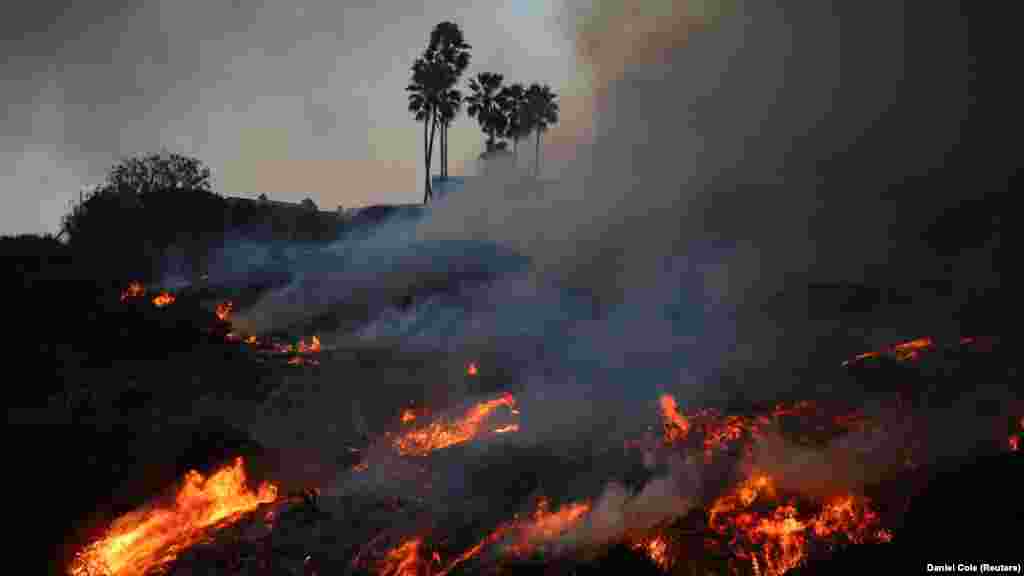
point(293, 99)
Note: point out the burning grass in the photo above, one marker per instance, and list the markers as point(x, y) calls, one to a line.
point(443, 433)
point(148, 540)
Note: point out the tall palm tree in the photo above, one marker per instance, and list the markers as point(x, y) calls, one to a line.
point(517, 121)
point(430, 79)
point(542, 110)
point(449, 105)
point(447, 39)
point(485, 104)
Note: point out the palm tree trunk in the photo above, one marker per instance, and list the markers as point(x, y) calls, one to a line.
point(536, 162)
point(444, 151)
point(426, 158)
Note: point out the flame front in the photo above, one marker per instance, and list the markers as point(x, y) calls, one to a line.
point(163, 299)
point(442, 433)
point(655, 548)
point(776, 541)
point(545, 526)
point(146, 540)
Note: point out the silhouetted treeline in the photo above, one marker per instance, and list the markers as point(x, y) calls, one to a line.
point(158, 207)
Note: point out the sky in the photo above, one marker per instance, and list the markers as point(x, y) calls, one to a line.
point(292, 99)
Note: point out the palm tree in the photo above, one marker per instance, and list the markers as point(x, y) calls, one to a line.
point(517, 121)
point(449, 105)
point(485, 104)
point(447, 39)
point(542, 110)
point(430, 79)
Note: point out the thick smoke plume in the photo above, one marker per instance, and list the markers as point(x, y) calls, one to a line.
point(747, 151)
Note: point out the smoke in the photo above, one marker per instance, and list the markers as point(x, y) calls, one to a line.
point(744, 152)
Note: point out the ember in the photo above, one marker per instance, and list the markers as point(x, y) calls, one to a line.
point(655, 548)
point(134, 290)
point(408, 415)
point(224, 311)
point(910, 350)
point(403, 560)
point(676, 425)
point(146, 540)
point(442, 433)
point(471, 369)
point(163, 299)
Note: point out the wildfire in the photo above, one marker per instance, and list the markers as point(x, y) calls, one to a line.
point(655, 548)
point(472, 369)
point(909, 350)
point(224, 310)
point(443, 433)
point(403, 560)
point(134, 290)
point(545, 526)
point(774, 538)
point(146, 540)
point(163, 299)
point(676, 425)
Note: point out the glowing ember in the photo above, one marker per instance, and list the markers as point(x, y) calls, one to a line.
point(1014, 443)
point(134, 290)
point(303, 348)
point(910, 350)
point(224, 311)
point(442, 433)
point(146, 540)
point(506, 429)
point(656, 549)
point(472, 369)
point(403, 560)
point(251, 340)
point(163, 299)
point(676, 425)
point(408, 415)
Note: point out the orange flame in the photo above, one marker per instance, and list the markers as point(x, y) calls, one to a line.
point(163, 299)
point(472, 369)
point(909, 350)
point(655, 548)
point(506, 429)
point(408, 415)
point(134, 290)
point(403, 560)
point(676, 425)
point(442, 433)
point(546, 525)
point(224, 310)
point(144, 541)
point(777, 542)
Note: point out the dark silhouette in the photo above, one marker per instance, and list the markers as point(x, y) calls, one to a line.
point(433, 99)
point(485, 104)
point(542, 112)
point(147, 205)
point(517, 120)
point(448, 40)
